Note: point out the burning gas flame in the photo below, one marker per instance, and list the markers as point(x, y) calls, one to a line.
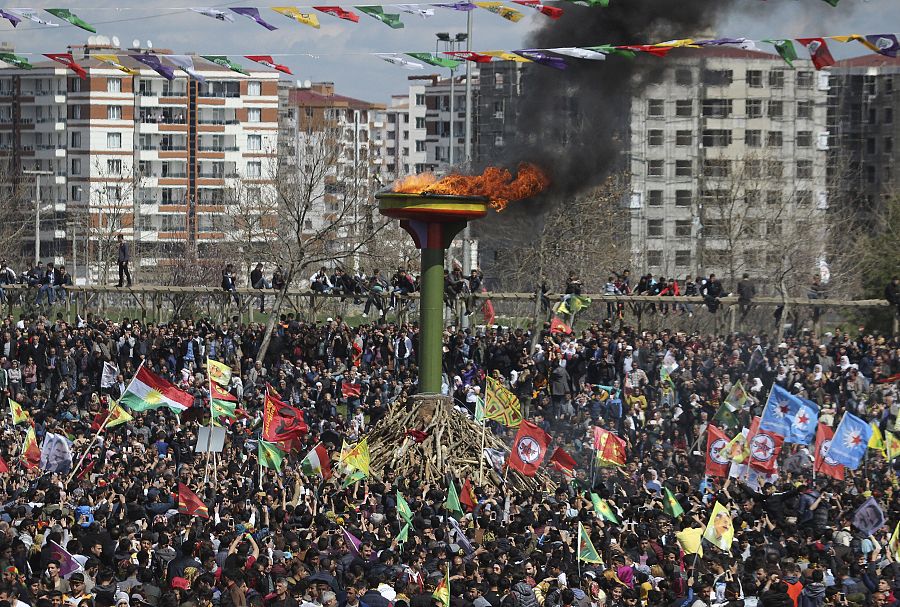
point(496, 184)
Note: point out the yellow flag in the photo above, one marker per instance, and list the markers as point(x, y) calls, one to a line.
point(501, 405)
point(719, 529)
point(19, 415)
point(505, 56)
point(690, 540)
point(218, 372)
point(118, 415)
point(114, 61)
point(292, 12)
point(857, 38)
point(894, 544)
point(876, 441)
point(510, 14)
point(358, 456)
point(442, 593)
point(891, 445)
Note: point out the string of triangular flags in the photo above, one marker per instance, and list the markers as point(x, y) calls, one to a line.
point(884, 44)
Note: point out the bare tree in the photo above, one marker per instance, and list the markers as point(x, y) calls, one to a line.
point(18, 217)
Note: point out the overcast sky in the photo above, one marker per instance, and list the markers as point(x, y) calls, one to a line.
point(338, 51)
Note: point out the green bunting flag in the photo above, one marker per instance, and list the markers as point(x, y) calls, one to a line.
point(269, 455)
point(377, 12)
point(586, 551)
point(833, 2)
point(64, 13)
point(603, 509)
point(15, 60)
point(432, 59)
point(452, 504)
point(671, 506)
point(785, 48)
point(403, 508)
point(608, 49)
point(226, 62)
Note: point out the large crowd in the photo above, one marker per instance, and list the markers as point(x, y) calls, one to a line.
point(281, 539)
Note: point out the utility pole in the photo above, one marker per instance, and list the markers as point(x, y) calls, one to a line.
point(37, 211)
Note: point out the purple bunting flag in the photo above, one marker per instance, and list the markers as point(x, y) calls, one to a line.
point(14, 19)
point(887, 44)
point(459, 6)
point(543, 58)
point(253, 13)
point(153, 62)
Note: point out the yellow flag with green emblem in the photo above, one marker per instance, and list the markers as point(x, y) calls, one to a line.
point(501, 405)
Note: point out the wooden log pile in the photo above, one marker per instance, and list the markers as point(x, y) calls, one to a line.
point(452, 445)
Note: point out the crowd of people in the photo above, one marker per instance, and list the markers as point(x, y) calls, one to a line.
point(281, 539)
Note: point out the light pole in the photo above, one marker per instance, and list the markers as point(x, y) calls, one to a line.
point(450, 44)
point(37, 211)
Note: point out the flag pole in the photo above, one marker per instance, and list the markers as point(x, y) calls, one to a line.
point(89, 447)
point(209, 434)
point(481, 455)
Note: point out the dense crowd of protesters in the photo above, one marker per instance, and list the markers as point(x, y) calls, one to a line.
point(277, 540)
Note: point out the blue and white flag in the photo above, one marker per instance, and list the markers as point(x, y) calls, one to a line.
point(792, 417)
point(850, 441)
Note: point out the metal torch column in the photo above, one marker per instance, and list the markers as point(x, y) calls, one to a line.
point(431, 320)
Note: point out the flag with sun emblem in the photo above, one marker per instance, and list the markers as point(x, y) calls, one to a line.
point(528, 449)
point(850, 441)
point(150, 391)
point(790, 416)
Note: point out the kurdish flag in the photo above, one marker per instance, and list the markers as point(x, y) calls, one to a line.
point(269, 455)
point(586, 550)
point(150, 391)
point(19, 415)
point(603, 509)
point(317, 462)
point(442, 592)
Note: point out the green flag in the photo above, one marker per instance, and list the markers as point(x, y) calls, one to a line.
point(15, 60)
point(603, 509)
point(727, 417)
point(377, 12)
point(452, 504)
point(479, 410)
point(671, 506)
point(403, 508)
point(432, 59)
point(833, 2)
point(608, 49)
point(586, 550)
point(353, 478)
point(269, 455)
point(64, 13)
point(785, 48)
point(737, 396)
point(226, 62)
point(404, 535)
point(222, 408)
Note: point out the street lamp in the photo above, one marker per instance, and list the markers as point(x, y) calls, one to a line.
point(450, 44)
point(37, 211)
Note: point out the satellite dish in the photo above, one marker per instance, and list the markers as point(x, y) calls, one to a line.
point(135, 43)
point(92, 40)
point(115, 40)
point(149, 43)
point(307, 84)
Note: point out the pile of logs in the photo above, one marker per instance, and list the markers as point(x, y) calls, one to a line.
point(427, 434)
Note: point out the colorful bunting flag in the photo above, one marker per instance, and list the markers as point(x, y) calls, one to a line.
point(11, 17)
point(785, 49)
point(215, 13)
point(403, 62)
point(543, 58)
point(885, 44)
point(67, 60)
point(432, 59)
point(186, 64)
point(586, 551)
point(269, 62)
point(579, 53)
point(114, 61)
point(818, 52)
point(471, 56)
point(392, 20)
point(551, 11)
point(498, 8)
point(857, 38)
point(292, 12)
point(416, 9)
point(252, 13)
point(64, 13)
point(458, 6)
point(31, 15)
point(339, 12)
point(153, 62)
point(231, 65)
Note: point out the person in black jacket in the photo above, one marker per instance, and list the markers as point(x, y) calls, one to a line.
point(892, 293)
point(711, 292)
point(228, 283)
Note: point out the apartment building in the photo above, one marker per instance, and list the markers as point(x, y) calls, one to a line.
point(862, 106)
point(499, 94)
point(400, 143)
point(438, 117)
point(728, 156)
point(164, 162)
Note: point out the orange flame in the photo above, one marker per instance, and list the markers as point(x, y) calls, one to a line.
point(495, 183)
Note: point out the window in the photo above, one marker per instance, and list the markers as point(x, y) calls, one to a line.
point(254, 169)
point(804, 109)
point(684, 138)
point(754, 78)
point(76, 140)
point(717, 77)
point(774, 169)
point(888, 145)
point(716, 168)
point(714, 227)
point(254, 88)
point(683, 228)
point(684, 107)
point(752, 198)
point(870, 145)
point(654, 258)
point(420, 122)
point(804, 197)
point(114, 140)
point(655, 107)
point(113, 193)
point(804, 169)
point(254, 114)
point(716, 138)
point(804, 139)
point(684, 168)
point(254, 143)
point(655, 168)
point(74, 112)
point(774, 139)
point(805, 80)
point(76, 166)
point(655, 228)
point(716, 108)
point(873, 116)
point(888, 115)
point(654, 137)
point(113, 85)
point(498, 80)
point(753, 138)
point(683, 258)
point(114, 167)
point(420, 99)
point(684, 77)
point(114, 112)
point(776, 79)
point(773, 228)
point(76, 193)
point(420, 146)
point(683, 198)
point(655, 198)
point(773, 198)
point(776, 108)
point(74, 85)
point(753, 168)
point(754, 108)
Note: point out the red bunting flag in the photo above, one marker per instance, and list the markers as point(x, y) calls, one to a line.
point(659, 51)
point(823, 463)
point(528, 449)
point(417, 435)
point(563, 462)
point(716, 443)
point(470, 56)
point(764, 447)
point(339, 12)
point(67, 60)
point(267, 61)
point(189, 503)
point(818, 52)
point(282, 422)
point(551, 11)
point(558, 326)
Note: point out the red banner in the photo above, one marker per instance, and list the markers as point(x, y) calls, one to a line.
point(716, 462)
point(764, 448)
point(823, 463)
point(528, 449)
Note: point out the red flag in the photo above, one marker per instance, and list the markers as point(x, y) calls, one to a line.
point(764, 448)
point(470, 56)
point(551, 11)
point(529, 449)
point(67, 60)
point(818, 52)
point(659, 51)
point(558, 326)
point(87, 469)
point(99, 420)
point(339, 12)
point(350, 390)
point(716, 441)
point(489, 316)
point(417, 435)
point(357, 353)
point(189, 503)
point(282, 422)
point(823, 463)
point(267, 61)
point(467, 496)
point(612, 449)
point(220, 393)
point(563, 462)
point(4, 467)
